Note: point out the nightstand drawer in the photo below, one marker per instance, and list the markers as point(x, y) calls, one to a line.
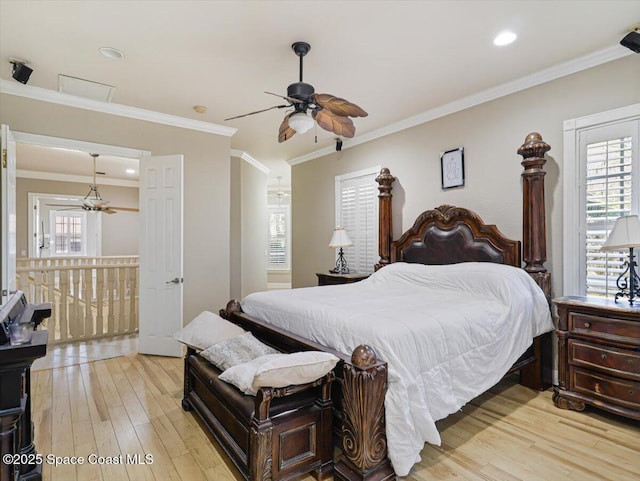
point(605, 328)
point(617, 362)
point(609, 389)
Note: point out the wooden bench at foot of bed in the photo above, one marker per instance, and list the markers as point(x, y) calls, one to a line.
point(278, 434)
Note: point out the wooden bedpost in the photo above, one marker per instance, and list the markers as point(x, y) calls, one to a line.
point(534, 249)
point(385, 220)
point(364, 440)
point(534, 231)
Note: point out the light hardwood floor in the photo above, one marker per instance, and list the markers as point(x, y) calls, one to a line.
point(131, 405)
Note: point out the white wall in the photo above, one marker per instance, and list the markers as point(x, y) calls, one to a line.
point(248, 197)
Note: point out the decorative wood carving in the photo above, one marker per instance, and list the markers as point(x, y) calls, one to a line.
point(385, 220)
point(186, 405)
point(534, 234)
point(364, 440)
point(564, 403)
point(449, 234)
point(232, 306)
point(261, 444)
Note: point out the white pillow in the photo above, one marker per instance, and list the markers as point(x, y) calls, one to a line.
point(279, 370)
point(237, 350)
point(207, 329)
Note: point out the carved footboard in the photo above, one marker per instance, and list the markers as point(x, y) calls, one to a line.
point(358, 397)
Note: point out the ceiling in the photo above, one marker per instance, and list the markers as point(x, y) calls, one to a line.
point(394, 59)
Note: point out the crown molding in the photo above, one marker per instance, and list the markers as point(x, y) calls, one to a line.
point(51, 96)
point(552, 73)
point(247, 158)
point(82, 179)
point(72, 144)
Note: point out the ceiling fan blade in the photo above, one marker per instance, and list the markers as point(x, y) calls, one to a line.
point(290, 99)
point(338, 106)
point(258, 111)
point(337, 124)
point(128, 209)
point(285, 132)
point(108, 210)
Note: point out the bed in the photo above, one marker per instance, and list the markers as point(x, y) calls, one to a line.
point(442, 238)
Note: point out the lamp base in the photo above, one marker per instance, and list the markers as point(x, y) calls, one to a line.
point(630, 285)
point(341, 264)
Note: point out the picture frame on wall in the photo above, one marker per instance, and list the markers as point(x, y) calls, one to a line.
point(452, 168)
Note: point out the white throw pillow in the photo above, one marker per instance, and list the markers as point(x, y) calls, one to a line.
point(207, 329)
point(237, 350)
point(279, 370)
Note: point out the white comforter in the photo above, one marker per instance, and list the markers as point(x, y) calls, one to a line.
point(448, 333)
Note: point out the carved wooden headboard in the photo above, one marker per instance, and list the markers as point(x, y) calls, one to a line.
point(448, 235)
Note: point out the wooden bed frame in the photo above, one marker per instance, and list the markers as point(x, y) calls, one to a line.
point(443, 235)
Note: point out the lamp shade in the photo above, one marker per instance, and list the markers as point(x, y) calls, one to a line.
point(340, 238)
point(301, 122)
point(624, 235)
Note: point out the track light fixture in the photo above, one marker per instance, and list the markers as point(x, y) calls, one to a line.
point(632, 40)
point(21, 72)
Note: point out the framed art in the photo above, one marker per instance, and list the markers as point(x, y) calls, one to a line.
point(452, 168)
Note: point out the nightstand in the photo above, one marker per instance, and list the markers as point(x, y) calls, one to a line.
point(598, 355)
point(329, 278)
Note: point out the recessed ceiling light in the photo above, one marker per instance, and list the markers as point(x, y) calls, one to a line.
point(131, 171)
point(504, 38)
point(201, 109)
point(110, 52)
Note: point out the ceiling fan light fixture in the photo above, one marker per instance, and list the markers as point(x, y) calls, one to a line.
point(301, 122)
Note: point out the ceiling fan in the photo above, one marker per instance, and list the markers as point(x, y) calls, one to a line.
point(330, 112)
point(93, 201)
point(278, 194)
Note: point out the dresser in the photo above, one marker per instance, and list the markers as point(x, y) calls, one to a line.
point(330, 278)
point(598, 355)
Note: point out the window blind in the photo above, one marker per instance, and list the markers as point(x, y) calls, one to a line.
point(278, 238)
point(357, 212)
point(609, 194)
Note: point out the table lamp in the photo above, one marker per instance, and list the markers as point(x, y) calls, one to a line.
point(340, 239)
point(626, 235)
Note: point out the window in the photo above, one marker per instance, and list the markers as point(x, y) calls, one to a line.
point(609, 194)
point(69, 234)
point(357, 212)
point(601, 182)
point(279, 245)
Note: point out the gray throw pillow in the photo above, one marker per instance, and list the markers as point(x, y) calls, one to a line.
point(237, 350)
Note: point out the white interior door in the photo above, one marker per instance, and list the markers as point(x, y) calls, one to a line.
point(8, 215)
point(160, 254)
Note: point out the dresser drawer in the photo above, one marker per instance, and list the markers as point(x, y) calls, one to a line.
point(617, 362)
point(619, 391)
point(605, 328)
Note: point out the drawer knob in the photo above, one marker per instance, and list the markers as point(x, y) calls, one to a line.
point(603, 356)
point(630, 361)
point(630, 392)
point(587, 325)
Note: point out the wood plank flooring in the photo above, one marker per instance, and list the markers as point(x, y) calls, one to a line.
point(131, 405)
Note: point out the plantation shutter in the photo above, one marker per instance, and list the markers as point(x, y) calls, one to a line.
point(610, 194)
point(278, 238)
point(357, 212)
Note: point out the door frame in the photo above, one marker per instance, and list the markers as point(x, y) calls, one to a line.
point(89, 147)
